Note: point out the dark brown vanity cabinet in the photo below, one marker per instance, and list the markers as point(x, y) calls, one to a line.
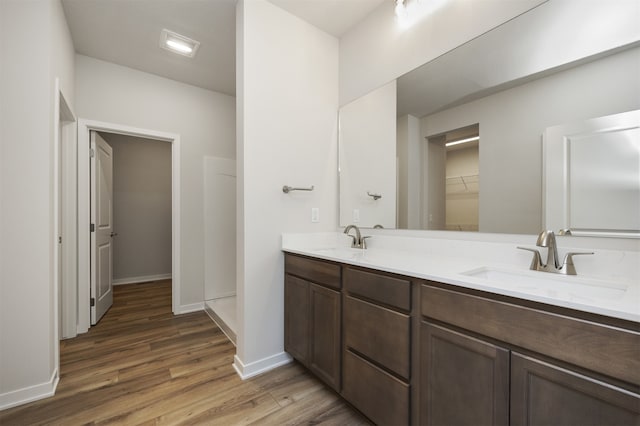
point(457, 356)
point(464, 380)
point(377, 345)
point(312, 312)
point(324, 347)
point(546, 394)
point(551, 368)
point(296, 318)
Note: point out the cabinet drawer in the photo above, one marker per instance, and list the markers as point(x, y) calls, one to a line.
point(605, 349)
point(395, 292)
point(380, 334)
point(317, 271)
point(377, 394)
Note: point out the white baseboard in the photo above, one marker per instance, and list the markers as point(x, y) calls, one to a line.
point(221, 295)
point(30, 393)
point(142, 279)
point(231, 335)
point(194, 307)
point(246, 371)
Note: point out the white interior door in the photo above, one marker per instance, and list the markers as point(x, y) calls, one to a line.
point(59, 245)
point(101, 226)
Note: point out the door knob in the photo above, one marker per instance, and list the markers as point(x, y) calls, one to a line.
point(113, 234)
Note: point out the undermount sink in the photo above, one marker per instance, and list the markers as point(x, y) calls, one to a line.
point(341, 252)
point(361, 255)
point(549, 285)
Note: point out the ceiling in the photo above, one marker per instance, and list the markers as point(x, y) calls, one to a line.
point(127, 32)
point(335, 17)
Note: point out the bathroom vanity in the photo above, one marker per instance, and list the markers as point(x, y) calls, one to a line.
point(405, 349)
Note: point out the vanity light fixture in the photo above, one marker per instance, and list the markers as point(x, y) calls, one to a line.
point(408, 12)
point(400, 9)
point(461, 141)
point(178, 43)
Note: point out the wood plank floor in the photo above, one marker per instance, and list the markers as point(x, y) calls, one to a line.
point(142, 365)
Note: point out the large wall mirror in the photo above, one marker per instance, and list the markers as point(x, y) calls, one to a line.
point(456, 144)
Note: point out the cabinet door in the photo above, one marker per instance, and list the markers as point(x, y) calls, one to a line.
point(296, 318)
point(324, 351)
point(464, 381)
point(545, 394)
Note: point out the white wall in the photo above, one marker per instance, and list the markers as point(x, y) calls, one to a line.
point(368, 159)
point(530, 45)
point(141, 208)
point(220, 186)
point(287, 88)
point(511, 125)
point(35, 48)
point(62, 55)
point(205, 121)
point(435, 157)
point(409, 151)
point(379, 50)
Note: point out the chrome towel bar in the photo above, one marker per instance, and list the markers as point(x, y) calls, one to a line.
point(286, 189)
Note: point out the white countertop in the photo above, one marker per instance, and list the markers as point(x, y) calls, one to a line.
point(618, 297)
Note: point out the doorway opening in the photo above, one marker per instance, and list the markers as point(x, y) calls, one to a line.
point(452, 180)
point(133, 229)
point(220, 300)
point(87, 275)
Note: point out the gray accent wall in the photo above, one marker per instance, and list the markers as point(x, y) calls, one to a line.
point(141, 207)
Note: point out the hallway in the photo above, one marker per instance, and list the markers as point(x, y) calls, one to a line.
point(141, 364)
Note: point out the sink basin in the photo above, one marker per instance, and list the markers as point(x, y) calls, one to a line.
point(546, 284)
point(340, 252)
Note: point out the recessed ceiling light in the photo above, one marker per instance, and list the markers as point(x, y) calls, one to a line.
point(178, 43)
point(458, 142)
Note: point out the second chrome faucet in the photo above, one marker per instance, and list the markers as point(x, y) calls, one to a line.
point(548, 239)
point(358, 241)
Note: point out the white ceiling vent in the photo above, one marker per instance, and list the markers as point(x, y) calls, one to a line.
point(178, 43)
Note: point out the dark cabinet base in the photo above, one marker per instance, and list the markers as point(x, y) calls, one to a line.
point(545, 394)
point(380, 396)
point(312, 313)
point(296, 318)
point(405, 352)
point(464, 381)
point(325, 345)
point(380, 334)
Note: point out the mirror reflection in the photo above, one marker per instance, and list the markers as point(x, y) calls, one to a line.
point(591, 178)
point(453, 175)
point(505, 88)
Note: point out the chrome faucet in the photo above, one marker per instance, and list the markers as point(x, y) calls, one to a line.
point(358, 241)
point(547, 239)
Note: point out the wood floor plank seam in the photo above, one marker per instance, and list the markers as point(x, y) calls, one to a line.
point(141, 365)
